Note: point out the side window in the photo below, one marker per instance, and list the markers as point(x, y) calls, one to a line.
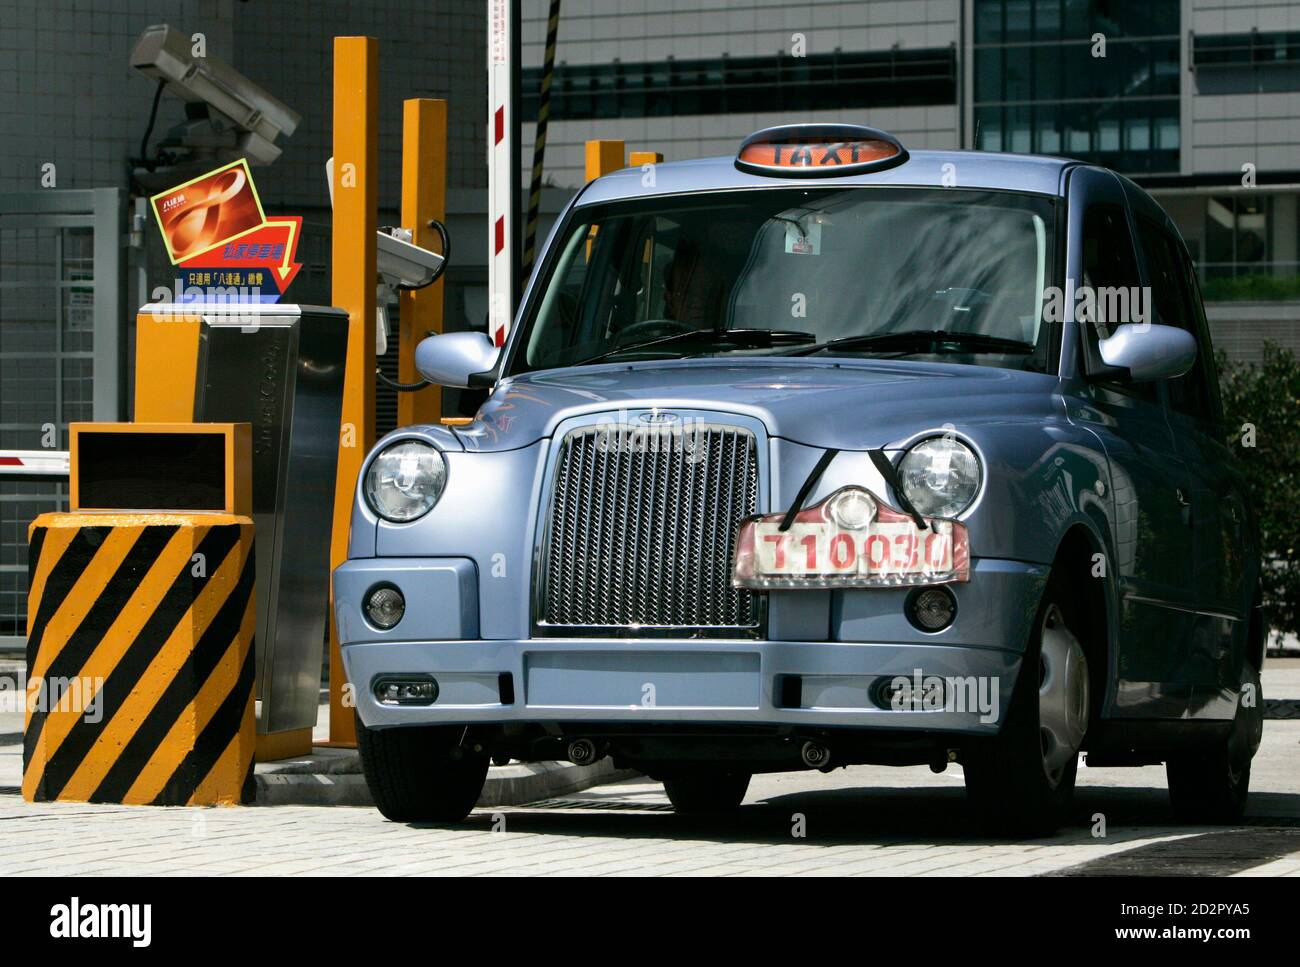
point(1168, 297)
point(1109, 261)
point(611, 278)
point(1110, 264)
point(1174, 305)
point(1205, 363)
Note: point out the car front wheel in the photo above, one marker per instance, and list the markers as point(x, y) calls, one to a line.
point(421, 773)
point(1021, 782)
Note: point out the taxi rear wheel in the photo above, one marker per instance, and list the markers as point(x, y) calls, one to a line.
point(696, 794)
point(1212, 785)
point(1022, 781)
point(421, 774)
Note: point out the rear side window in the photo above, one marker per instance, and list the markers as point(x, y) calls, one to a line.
point(1174, 304)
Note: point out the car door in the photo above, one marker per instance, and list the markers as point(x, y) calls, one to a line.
point(1213, 488)
point(1149, 522)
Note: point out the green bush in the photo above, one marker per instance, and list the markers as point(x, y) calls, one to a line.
point(1266, 396)
point(1252, 288)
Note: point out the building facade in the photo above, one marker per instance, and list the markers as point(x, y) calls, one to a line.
point(1197, 100)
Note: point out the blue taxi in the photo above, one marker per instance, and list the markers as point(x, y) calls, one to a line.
point(826, 453)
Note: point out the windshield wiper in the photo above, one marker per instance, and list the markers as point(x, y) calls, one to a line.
point(934, 340)
point(755, 338)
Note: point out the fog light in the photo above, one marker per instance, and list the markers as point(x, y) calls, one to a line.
point(931, 609)
point(916, 692)
point(415, 690)
point(385, 606)
point(852, 508)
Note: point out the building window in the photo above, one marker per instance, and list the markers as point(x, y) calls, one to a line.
point(1236, 236)
point(1040, 89)
point(1258, 49)
point(747, 85)
point(1249, 63)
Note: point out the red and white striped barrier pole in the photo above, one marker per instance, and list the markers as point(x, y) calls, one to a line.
point(34, 464)
point(503, 166)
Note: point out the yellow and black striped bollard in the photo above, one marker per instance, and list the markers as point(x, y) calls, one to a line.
point(140, 659)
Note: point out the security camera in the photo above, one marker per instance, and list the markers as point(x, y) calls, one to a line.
point(401, 264)
point(242, 120)
point(404, 265)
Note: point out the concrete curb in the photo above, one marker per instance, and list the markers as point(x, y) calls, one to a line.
point(332, 777)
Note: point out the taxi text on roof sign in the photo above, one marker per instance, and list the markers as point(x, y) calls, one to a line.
point(813, 150)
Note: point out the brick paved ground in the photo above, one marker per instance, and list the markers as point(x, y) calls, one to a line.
point(861, 820)
point(864, 820)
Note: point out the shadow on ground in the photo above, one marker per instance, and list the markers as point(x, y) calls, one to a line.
point(894, 816)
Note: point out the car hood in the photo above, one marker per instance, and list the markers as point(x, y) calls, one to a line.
point(849, 404)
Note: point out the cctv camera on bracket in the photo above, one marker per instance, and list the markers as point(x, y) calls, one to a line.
point(227, 115)
point(399, 264)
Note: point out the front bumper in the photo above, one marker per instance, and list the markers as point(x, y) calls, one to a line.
point(794, 680)
point(687, 681)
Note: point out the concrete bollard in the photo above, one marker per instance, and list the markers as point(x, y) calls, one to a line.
point(140, 659)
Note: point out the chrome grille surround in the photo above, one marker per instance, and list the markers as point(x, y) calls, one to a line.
point(640, 523)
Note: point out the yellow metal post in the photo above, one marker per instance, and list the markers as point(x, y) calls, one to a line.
point(603, 157)
point(424, 196)
point(166, 366)
point(638, 158)
point(356, 196)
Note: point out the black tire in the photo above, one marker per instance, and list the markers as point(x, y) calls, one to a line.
point(1007, 781)
point(413, 777)
point(706, 793)
point(1211, 786)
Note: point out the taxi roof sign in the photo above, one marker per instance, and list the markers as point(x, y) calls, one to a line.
point(819, 150)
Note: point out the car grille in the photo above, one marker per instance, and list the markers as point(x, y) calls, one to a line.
point(642, 529)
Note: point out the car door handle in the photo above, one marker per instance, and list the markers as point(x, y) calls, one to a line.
point(1185, 511)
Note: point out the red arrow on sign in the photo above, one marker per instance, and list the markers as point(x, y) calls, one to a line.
point(272, 246)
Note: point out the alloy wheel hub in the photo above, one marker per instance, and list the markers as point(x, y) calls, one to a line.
point(1062, 693)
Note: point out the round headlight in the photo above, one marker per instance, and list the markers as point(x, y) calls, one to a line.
point(940, 476)
point(405, 480)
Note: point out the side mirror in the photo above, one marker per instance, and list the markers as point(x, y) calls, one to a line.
point(454, 357)
point(1147, 352)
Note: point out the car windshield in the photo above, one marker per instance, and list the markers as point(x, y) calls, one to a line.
point(950, 274)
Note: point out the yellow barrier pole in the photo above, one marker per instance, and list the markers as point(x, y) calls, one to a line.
point(638, 158)
point(424, 196)
point(356, 197)
point(603, 157)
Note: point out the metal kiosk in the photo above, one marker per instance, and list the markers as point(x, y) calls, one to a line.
point(279, 368)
